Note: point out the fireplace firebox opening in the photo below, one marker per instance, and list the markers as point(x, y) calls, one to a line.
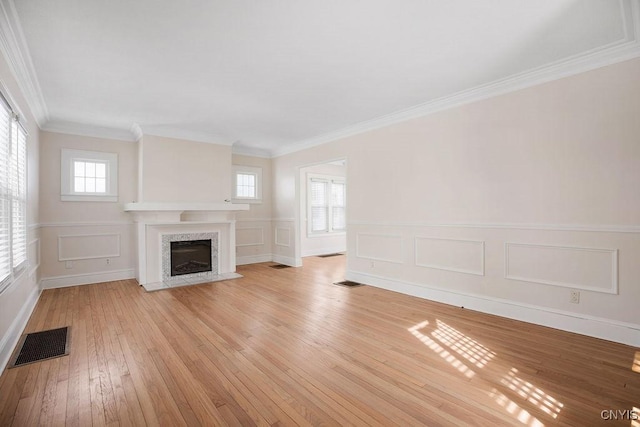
point(190, 256)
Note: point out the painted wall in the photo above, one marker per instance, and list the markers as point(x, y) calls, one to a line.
point(254, 239)
point(318, 244)
point(174, 170)
point(504, 205)
point(101, 234)
point(18, 300)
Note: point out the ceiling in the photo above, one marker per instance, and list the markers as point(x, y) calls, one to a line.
point(274, 76)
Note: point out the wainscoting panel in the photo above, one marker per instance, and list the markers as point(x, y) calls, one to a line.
point(249, 236)
point(380, 247)
point(283, 236)
point(88, 246)
point(573, 267)
point(460, 256)
point(34, 253)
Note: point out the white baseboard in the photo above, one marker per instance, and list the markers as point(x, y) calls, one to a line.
point(253, 259)
point(621, 332)
point(324, 251)
point(86, 279)
point(290, 261)
point(10, 339)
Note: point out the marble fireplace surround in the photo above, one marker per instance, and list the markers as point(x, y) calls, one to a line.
point(157, 222)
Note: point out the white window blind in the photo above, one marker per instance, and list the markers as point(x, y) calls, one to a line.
point(5, 192)
point(338, 201)
point(319, 206)
point(13, 194)
point(327, 205)
point(18, 184)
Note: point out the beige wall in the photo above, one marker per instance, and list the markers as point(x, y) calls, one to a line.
point(495, 186)
point(174, 170)
point(17, 300)
point(99, 232)
point(254, 240)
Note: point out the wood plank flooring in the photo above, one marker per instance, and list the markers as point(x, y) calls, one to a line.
point(286, 347)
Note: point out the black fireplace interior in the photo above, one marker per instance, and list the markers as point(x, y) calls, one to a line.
point(191, 256)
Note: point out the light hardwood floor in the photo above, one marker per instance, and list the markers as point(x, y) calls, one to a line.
point(286, 347)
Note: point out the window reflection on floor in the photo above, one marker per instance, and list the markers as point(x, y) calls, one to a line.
point(438, 349)
point(532, 394)
point(511, 407)
point(471, 350)
point(464, 353)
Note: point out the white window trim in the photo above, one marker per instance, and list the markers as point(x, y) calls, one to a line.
point(248, 170)
point(68, 156)
point(15, 271)
point(330, 232)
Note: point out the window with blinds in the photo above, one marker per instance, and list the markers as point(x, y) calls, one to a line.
point(13, 194)
point(327, 205)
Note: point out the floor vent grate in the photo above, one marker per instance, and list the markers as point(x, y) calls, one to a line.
point(329, 255)
point(38, 346)
point(348, 284)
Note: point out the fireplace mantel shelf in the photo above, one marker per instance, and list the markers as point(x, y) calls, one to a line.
point(184, 207)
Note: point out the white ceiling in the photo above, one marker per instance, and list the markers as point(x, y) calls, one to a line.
point(275, 75)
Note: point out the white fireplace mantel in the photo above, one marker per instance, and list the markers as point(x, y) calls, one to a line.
point(155, 219)
point(183, 207)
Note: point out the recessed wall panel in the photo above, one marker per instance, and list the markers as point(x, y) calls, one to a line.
point(283, 236)
point(88, 246)
point(381, 247)
point(574, 267)
point(461, 256)
point(249, 236)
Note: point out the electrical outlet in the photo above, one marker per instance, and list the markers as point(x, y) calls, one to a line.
point(68, 264)
point(574, 297)
point(108, 261)
point(372, 264)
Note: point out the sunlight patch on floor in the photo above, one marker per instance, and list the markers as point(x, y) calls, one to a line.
point(636, 411)
point(468, 348)
point(532, 394)
point(441, 351)
point(636, 363)
point(511, 407)
point(445, 340)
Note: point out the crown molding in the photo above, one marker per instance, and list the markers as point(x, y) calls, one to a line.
point(136, 131)
point(16, 53)
point(81, 129)
point(250, 151)
point(185, 134)
point(628, 47)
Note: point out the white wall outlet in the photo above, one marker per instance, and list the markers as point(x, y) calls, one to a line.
point(372, 264)
point(108, 261)
point(68, 264)
point(574, 297)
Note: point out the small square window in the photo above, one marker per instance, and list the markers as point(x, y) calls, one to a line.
point(247, 184)
point(89, 176)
